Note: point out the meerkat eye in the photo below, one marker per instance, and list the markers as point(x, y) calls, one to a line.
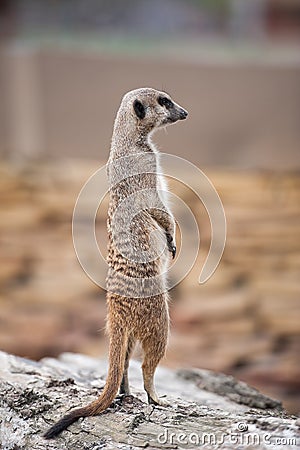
point(166, 102)
point(139, 109)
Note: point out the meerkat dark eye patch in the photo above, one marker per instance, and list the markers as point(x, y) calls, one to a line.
point(139, 109)
point(166, 102)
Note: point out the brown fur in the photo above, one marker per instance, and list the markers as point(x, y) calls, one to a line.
point(137, 297)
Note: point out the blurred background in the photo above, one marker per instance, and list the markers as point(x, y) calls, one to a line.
point(235, 66)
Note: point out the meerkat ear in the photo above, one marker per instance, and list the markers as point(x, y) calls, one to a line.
point(139, 109)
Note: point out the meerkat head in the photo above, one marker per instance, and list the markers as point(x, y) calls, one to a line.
point(149, 109)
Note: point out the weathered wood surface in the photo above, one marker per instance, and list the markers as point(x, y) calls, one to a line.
point(204, 409)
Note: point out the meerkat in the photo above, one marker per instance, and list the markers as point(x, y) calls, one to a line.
point(141, 242)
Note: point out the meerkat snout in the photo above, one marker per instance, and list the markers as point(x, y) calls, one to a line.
point(183, 114)
point(173, 111)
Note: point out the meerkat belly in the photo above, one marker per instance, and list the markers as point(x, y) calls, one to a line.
point(141, 317)
point(138, 249)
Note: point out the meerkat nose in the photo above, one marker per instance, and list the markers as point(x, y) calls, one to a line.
point(183, 114)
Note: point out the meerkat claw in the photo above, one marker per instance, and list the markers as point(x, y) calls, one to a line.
point(171, 247)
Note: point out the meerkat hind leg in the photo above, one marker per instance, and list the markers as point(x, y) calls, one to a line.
point(124, 387)
point(152, 356)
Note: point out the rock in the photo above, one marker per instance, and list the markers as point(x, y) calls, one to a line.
point(228, 386)
point(203, 409)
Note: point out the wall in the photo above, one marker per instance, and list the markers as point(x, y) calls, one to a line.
point(63, 103)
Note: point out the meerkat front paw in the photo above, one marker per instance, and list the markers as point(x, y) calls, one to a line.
point(171, 244)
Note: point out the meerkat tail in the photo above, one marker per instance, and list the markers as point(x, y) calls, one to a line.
point(117, 353)
point(65, 422)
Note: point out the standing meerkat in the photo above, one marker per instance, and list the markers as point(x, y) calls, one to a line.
point(141, 241)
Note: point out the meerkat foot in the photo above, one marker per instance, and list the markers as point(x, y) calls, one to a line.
point(154, 400)
point(124, 388)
